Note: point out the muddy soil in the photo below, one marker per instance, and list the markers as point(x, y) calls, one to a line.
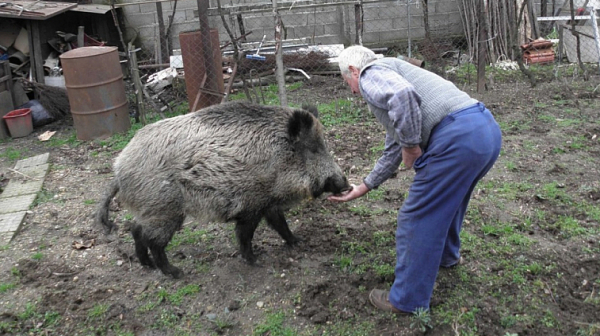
point(62, 276)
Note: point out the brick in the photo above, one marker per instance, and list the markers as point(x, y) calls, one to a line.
point(11, 222)
point(330, 16)
point(444, 7)
point(18, 188)
point(300, 19)
point(332, 29)
point(148, 8)
point(32, 161)
point(14, 204)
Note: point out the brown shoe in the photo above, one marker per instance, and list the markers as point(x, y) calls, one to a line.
point(380, 299)
point(459, 262)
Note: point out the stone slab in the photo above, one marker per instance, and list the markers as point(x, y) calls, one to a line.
point(18, 188)
point(14, 204)
point(34, 172)
point(32, 161)
point(11, 222)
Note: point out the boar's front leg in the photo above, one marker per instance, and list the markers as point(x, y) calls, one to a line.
point(245, 225)
point(276, 220)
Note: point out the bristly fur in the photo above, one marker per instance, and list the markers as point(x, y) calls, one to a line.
point(236, 162)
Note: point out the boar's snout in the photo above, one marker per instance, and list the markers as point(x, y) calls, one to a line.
point(336, 184)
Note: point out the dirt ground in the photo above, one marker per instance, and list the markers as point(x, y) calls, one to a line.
point(530, 241)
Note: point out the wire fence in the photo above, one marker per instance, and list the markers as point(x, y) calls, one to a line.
point(200, 51)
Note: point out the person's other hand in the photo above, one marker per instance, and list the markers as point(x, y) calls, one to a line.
point(354, 192)
point(410, 154)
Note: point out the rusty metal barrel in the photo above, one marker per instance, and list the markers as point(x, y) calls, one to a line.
point(204, 87)
point(96, 92)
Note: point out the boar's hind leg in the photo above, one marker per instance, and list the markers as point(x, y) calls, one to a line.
point(157, 234)
point(141, 247)
point(244, 230)
point(160, 258)
point(276, 220)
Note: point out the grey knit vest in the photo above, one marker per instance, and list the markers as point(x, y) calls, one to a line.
point(439, 97)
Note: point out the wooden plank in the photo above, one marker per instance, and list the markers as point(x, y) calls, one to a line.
point(37, 62)
point(34, 10)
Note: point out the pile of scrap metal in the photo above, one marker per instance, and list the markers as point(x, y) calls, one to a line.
point(14, 47)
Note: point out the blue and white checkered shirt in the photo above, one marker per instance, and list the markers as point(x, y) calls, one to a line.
point(389, 91)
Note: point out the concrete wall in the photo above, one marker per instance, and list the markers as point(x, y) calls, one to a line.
point(385, 22)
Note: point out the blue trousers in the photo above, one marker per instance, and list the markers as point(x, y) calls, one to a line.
point(461, 150)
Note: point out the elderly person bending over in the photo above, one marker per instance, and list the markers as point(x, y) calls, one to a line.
point(450, 139)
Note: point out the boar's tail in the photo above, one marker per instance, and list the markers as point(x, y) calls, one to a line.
point(102, 214)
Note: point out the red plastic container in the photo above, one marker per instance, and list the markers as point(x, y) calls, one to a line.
point(19, 122)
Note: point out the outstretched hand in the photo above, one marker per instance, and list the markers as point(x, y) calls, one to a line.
point(354, 192)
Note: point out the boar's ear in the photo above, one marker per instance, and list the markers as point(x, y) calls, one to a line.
point(311, 108)
point(299, 122)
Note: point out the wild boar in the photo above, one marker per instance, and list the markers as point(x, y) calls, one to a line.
point(236, 161)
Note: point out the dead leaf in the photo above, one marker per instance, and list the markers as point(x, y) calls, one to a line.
point(46, 135)
point(85, 245)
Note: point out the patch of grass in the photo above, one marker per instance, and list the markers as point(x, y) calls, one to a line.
point(553, 191)
point(339, 112)
point(188, 236)
point(29, 312)
point(384, 270)
point(365, 211)
point(549, 320)
point(89, 202)
point(577, 143)
point(177, 297)
point(506, 190)
point(590, 330)
point(350, 327)
point(60, 140)
point(43, 196)
point(421, 319)
point(376, 194)
point(568, 227)
point(546, 118)
point(119, 140)
point(510, 166)
point(273, 325)
point(377, 150)
point(162, 295)
point(568, 122)
point(167, 319)
point(383, 238)
point(6, 287)
point(37, 256)
point(499, 229)
point(98, 311)
point(31, 322)
point(12, 154)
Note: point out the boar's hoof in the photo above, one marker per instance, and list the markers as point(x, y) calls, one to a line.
point(175, 272)
point(250, 259)
point(147, 262)
point(294, 240)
